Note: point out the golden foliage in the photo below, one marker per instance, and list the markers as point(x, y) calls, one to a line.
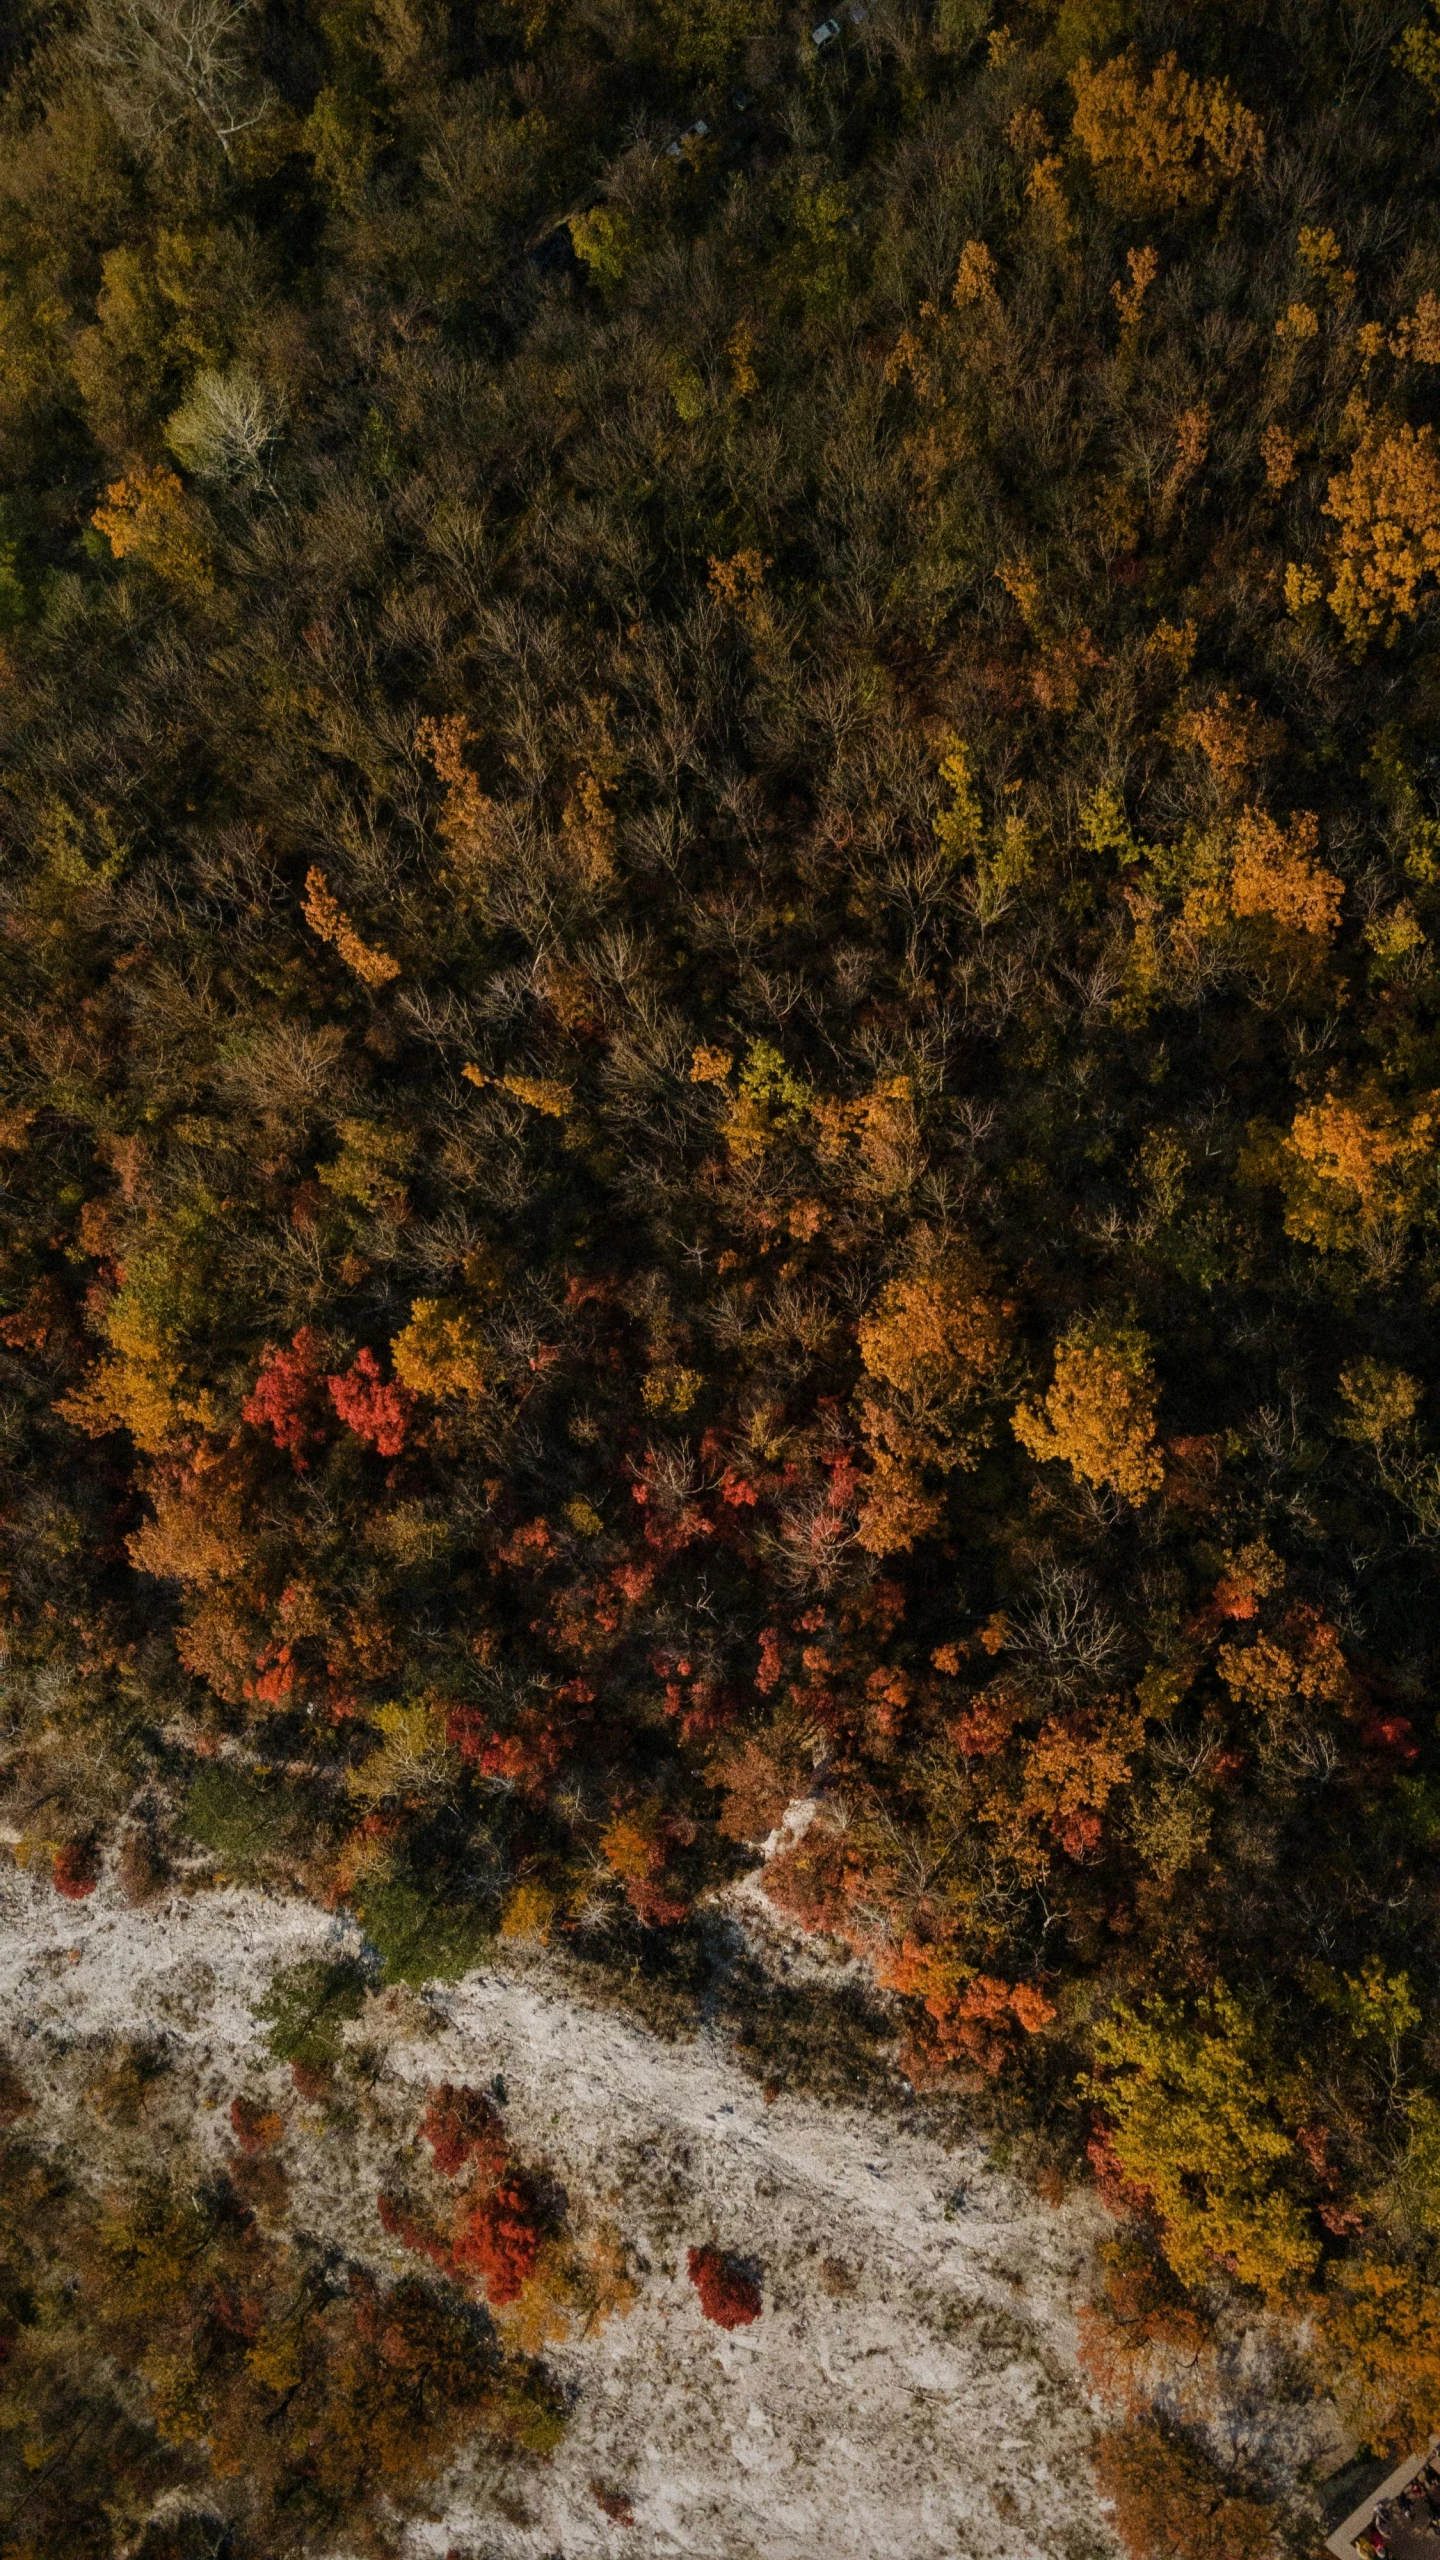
point(469, 820)
point(440, 1352)
point(1144, 266)
point(1170, 2502)
point(1275, 875)
point(1193, 2125)
point(1349, 1165)
point(1277, 452)
point(1159, 145)
point(935, 1333)
point(325, 917)
point(1380, 2352)
point(1387, 506)
point(1099, 1411)
point(1416, 338)
point(149, 513)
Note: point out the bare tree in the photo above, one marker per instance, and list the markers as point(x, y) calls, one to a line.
point(166, 62)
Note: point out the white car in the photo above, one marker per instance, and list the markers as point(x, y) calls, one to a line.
point(825, 33)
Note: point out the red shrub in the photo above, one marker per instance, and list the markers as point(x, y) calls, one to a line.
point(497, 2237)
point(256, 2128)
point(77, 1869)
point(461, 2125)
point(727, 2295)
point(285, 1399)
point(374, 1411)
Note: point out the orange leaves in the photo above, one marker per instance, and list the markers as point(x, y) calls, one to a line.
point(326, 917)
point(974, 2016)
point(1350, 1165)
point(1387, 506)
point(1276, 876)
point(637, 1845)
point(1071, 1771)
point(1099, 1411)
point(934, 1338)
point(149, 514)
point(1163, 145)
point(934, 1333)
point(469, 820)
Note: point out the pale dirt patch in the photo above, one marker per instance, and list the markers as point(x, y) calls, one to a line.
point(909, 2393)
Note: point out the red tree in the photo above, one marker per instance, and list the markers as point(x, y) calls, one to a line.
point(286, 1398)
point(727, 2295)
point(374, 1410)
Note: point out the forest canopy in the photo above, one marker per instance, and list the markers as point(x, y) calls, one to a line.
point(719, 1037)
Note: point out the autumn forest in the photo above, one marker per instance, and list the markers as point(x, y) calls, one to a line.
point(720, 1082)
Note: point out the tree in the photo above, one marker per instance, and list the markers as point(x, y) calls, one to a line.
point(1099, 1411)
point(165, 62)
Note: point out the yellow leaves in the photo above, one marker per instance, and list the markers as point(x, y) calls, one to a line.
point(740, 348)
point(1387, 506)
point(1277, 452)
point(670, 1389)
point(545, 1094)
point(1320, 251)
point(1416, 338)
point(960, 828)
point(975, 278)
point(414, 1763)
point(371, 1165)
point(469, 821)
point(1193, 2123)
point(606, 240)
point(144, 1387)
point(1275, 875)
point(1351, 1165)
point(588, 826)
point(148, 513)
point(1297, 323)
point(530, 1911)
point(325, 917)
point(936, 1333)
point(1144, 266)
point(440, 1352)
point(1380, 2352)
point(1164, 144)
point(1303, 588)
point(1099, 1411)
point(1379, 1401)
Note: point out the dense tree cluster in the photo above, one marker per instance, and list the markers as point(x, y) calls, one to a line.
point(718, 1051)
point(182, 2374)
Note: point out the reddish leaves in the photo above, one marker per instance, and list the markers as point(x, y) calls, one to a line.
point(461, 2125)
point(77, 1870)
point(376, 1411)
point(728, 2296)
point(498, 2235)
point(286, 1398)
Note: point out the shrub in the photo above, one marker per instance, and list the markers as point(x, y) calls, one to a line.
point(728, 2295)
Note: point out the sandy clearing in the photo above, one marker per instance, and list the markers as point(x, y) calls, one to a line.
point(929, 2411)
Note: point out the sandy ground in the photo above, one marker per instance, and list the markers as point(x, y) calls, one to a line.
point(910, 2391)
